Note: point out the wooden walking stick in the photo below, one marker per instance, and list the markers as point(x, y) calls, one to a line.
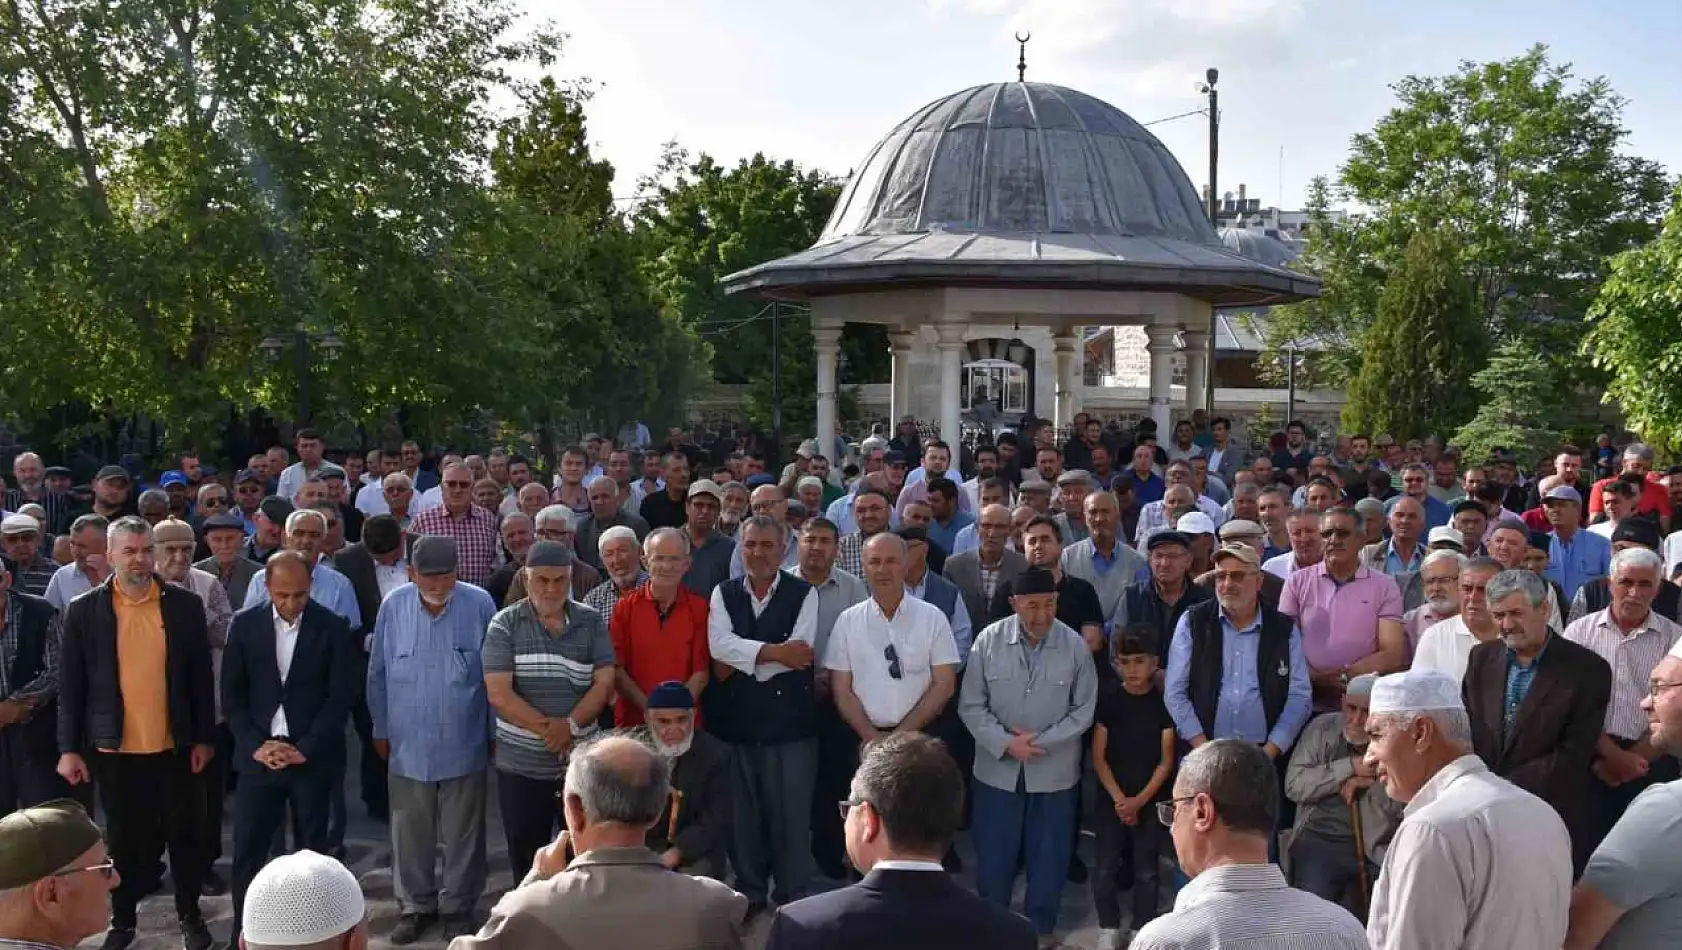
point(671, 822)
point(1360, 853)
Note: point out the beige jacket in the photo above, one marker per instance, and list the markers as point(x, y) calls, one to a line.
point(614, 899)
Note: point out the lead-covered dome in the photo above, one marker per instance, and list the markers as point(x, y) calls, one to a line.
point(1022, 185)
point(1021, 156)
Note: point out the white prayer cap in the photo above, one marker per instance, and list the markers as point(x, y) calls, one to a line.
point(300, 899)
point(1415, 691)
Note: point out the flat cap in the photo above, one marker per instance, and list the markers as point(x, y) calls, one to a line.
point(1165, 538)
point(38, 842)
point(550, 554)
point(58, 471)
point(223, 523)
point(1074, 476)
point(20, 524)
point(1240, 528)
point(276, 509)
point(433, 554)
point(1037, 486)
point(111, 471)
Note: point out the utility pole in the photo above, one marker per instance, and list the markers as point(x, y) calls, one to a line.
point(777, 384)
point(1212, 76)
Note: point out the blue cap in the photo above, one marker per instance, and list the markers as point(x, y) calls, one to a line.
point(761, 478)
point(671, 695)
point(172, 477)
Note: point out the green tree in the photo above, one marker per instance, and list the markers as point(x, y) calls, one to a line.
point(1636, 334)
point(1520, 160)
point(178, 180)
point(701, 221)
point(1423, 347)
point(1521, 402)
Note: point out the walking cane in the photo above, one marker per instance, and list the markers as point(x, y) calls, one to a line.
point(1360, 854)
point(671, 823)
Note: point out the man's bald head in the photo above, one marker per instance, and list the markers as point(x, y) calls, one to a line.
point(615, 781)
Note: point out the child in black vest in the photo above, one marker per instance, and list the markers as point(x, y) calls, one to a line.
point(1133, 753)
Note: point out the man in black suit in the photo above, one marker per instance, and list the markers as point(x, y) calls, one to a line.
point(288, 679)
point(906, 802)
point(374, 566)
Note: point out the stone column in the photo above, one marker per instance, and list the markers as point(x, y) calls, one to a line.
point(1067, 385)
point(899, 402)
point(1197, 369)
point(826, 339)
point(951, 367)
point(1160, 346)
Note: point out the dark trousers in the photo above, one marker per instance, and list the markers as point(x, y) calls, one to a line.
point(212, 794)
point(260, 806)
point(150, 803)
point(1326, 868)
point(531, 816)
point(948, 728)
point(371, 770)
point(771, 833)
point(1007, 824)
point(1127, 858)
point(838, 759)
point(29, 777)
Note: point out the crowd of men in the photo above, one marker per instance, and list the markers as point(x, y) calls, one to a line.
point(1373, 697)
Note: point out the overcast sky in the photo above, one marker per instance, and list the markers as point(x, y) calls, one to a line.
point(820, 82)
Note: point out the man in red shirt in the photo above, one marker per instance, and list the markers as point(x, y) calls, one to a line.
point(659, 630)
point(1655, 497)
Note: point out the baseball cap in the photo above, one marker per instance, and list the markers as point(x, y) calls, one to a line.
point(1641, 530)
point(172, 477)
point(58, 471)
point(893, 457)
point(1242, 552)
point(1563, 493)
point(1195, 522)
point(760, 478)
point(249, 475)
point(111, 471)
point(1443, 534)
point(705, 486)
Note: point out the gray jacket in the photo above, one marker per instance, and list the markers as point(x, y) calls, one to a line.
point(1055, 698)
point(1320, 762)
point(238, 579)
point(1112, 585)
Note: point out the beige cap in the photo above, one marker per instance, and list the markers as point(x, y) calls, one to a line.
point(173, 531)
point(1242, 552)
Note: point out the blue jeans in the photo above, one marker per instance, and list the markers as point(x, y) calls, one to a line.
point(1003, 825)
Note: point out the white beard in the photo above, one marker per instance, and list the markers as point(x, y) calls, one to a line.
point(1443, 606)
point(674, 751)
point(440, 602)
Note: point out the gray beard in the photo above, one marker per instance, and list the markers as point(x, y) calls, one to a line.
point(674, 751)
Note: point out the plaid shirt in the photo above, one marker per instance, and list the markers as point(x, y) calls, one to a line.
point(849, 554)
point(36, 575)
point(45, 685)
point(475, 534)
point(605, 596)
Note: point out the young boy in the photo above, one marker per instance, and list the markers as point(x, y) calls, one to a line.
point(1133, 753)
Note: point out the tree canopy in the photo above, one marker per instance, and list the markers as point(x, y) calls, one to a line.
point(1636, 333)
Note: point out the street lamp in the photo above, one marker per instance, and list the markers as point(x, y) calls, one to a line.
point(1211, 76)
point(303, 343)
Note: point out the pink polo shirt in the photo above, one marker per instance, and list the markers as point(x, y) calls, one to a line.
point(1339, 622)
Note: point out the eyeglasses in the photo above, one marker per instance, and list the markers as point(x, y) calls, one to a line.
point(104, 870)
point(892, 656)
point(848, 804)
point(217, 502)
point(1655, 688)
point(1165, 810)
point(458, 484)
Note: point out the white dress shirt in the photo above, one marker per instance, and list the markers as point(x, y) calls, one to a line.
point(1281, 566)
point(391, 576)
point(1447, 647)
point(285, 644)
point(742, 653)
point(920, 637)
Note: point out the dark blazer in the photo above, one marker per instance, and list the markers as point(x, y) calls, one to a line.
point(317, 694)
point(703, 821)
point(899, 910)
point(964, 570)
point(1550, 748)
point(240, 579)
point(90, 701)
point(357, 565)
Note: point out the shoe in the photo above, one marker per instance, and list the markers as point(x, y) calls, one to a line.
point(458, 925)
point(118, 938)
point(195, 935)
point(1077, 870)
point(213, 885)
point(1109, 939)
point(410, 927)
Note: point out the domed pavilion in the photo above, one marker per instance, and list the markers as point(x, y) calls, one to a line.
point(989, 228)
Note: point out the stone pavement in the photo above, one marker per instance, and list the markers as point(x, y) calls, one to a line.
point(369, 856)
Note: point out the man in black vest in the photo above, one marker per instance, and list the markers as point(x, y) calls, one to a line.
point(1271, 700)
point(29, 687)
point(1169, 593)
point(761, 628)
point(288, 681)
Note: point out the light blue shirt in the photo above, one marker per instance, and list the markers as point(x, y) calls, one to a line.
point(962, 630)
point(946, 535)
point(969, 539)
point(1238, 711)
point(426, 684)
point(328, 588)
point(1571, 565)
